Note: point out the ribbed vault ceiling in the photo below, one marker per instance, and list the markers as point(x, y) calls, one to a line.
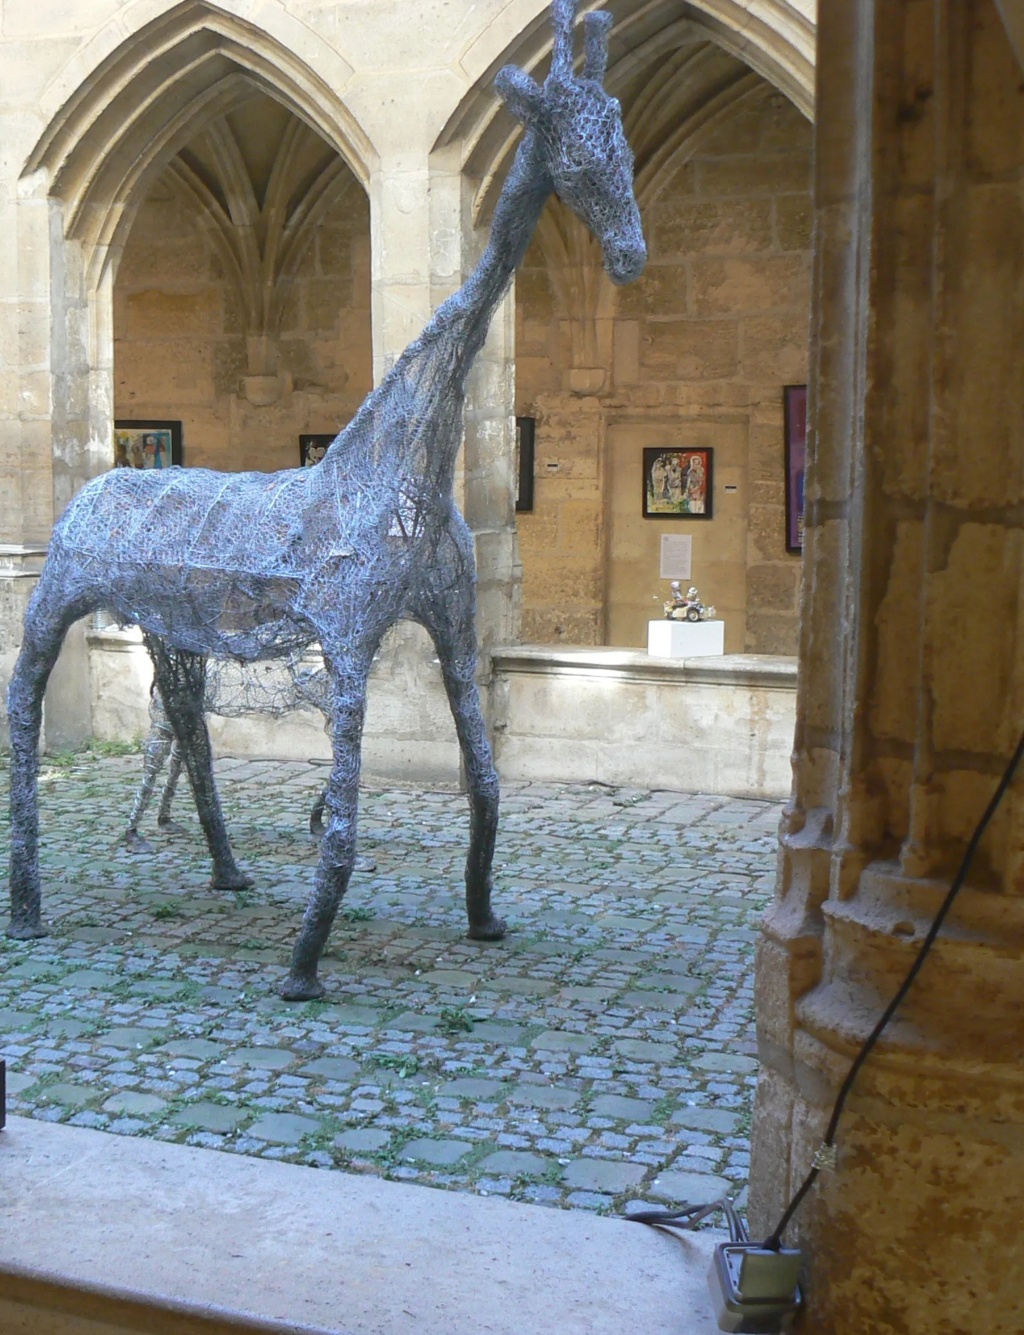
point(261, 181)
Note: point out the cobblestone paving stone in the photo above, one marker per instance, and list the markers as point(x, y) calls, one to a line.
point(602, 1053)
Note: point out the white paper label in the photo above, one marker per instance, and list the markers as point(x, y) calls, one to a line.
point(676, 555)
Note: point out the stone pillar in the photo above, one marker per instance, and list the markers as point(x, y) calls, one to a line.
point(486, 485)
point(55, 425)
point(423, 246)
point(912, 689)
point(25, 467)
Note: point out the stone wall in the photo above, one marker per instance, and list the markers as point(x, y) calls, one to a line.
point(696, 353)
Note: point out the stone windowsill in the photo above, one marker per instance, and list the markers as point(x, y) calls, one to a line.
point(140, 1235)
point(763, 670)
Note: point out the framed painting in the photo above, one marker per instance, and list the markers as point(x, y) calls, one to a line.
point(794, 401)
point(678, 483)
point(149, 444)
point(312, 448)
point(525, 428)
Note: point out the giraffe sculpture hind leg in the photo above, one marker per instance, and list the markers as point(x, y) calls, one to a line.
point(338, 845)
point(160, 743)
point(180, 679)
point(163, 815)
point(455, 640)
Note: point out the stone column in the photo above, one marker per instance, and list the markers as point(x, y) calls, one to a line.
point(26, 494)
point(912, 689)
point(423, 246)
point(55, 424)
point(486, 485)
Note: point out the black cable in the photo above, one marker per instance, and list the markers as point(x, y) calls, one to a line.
point(689, 1216)
point(774, 1240)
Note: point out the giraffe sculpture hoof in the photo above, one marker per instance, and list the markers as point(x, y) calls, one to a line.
point(168, 826)
point(27, 931)
point(491, 930)
point(236, 880)
point(301, 987)
point(137, 843)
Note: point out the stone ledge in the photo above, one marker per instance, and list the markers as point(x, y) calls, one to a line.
point(765, 670)
point(105, 1233)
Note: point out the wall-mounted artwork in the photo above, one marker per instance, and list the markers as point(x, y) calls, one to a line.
point(677, 484)
point(525, 427)
point(147, 444)
point(794, 401)
point(312, 448)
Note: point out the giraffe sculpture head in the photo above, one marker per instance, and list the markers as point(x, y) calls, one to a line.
point(578, 128)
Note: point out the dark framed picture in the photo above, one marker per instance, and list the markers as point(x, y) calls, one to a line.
point(312, 448)
point(794, 402)
point(525, 427)
point(147, 444)
point(677, 483)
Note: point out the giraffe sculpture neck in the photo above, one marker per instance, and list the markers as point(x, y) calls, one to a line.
point(520, 205)
point(438, 362)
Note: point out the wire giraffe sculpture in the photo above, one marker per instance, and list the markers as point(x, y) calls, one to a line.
point(256, 565)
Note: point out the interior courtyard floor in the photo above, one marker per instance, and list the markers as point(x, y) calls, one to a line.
point(602, 1054)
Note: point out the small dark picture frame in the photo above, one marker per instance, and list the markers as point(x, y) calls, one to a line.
point(794, 403)
point(147, 444)
point(678, 483)
point(312, 448)
point(525, 429)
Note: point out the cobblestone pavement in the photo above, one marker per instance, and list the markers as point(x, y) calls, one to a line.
point(602, 1053)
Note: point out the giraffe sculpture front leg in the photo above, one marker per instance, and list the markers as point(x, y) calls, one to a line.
point(457, 652)
point(338, 844)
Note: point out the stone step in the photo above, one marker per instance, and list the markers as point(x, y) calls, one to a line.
point(105, 1234)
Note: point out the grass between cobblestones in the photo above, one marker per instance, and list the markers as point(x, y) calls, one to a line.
point(602, 1053)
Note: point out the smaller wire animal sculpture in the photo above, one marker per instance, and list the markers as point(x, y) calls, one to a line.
point(231, 691)
point(253, 566)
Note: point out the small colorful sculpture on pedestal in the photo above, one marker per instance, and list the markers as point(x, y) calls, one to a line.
point(687, 607)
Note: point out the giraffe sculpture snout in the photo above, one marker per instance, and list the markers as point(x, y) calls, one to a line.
point(624, 262)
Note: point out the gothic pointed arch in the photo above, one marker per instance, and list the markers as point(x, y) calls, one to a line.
point(141, 100)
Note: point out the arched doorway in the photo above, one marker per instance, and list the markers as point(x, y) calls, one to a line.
point(693, 357)
point(163, 111)
point(242, 298)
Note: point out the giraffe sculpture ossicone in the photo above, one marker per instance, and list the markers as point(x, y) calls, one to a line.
point(256, 565)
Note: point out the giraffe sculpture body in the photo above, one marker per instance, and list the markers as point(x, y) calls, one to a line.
point(253, 566)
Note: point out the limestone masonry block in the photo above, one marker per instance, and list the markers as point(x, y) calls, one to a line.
point(713, 227)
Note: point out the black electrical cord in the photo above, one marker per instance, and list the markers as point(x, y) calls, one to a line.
point(689, 1216)
point(774, 1239)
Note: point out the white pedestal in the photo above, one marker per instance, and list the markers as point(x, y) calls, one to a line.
point(685, 639)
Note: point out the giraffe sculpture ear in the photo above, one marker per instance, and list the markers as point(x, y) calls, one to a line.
point(596, 28)
point(519, 92)
point(563, 16)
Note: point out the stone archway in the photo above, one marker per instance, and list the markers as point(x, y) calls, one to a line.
point(109, 135)
point(695, 354)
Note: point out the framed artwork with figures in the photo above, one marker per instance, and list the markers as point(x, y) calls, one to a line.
point(147, 444)
point(677, 484)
